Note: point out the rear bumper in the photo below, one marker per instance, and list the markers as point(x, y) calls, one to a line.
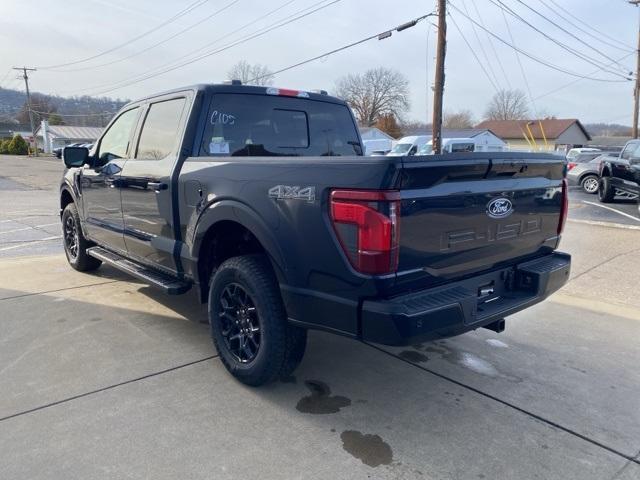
point(465, 305)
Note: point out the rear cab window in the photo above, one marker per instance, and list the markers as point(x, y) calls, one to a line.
point(267, 125)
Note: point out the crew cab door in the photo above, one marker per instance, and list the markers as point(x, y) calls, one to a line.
point(146, 184)
point(99, 182)
point(626, 167)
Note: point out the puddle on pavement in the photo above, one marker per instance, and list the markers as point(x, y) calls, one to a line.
point(369, 449)
point(494, 342)
point(321, 402)
point(413, 356)
point(467, 360)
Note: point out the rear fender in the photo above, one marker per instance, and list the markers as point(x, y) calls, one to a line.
point(231, 210)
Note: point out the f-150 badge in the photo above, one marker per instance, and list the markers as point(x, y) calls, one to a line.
point(287, 192)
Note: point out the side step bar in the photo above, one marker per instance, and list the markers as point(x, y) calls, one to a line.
point(168, 284)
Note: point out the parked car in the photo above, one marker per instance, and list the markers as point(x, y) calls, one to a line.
point(261, 199)
point(620, 175)
point(408, 145)
point(583, 170)
point(574, 152)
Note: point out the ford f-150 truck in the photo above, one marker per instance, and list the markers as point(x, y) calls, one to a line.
point(620, 175)
point(262, 200)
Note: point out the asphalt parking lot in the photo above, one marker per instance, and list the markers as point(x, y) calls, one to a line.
point(103, 377)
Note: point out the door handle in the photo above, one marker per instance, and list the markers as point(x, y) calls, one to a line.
point(157, 186)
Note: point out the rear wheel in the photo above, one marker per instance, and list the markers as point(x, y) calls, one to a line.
point(75, 244)
point(249, 325)
point(590, 184)
point(606, 193)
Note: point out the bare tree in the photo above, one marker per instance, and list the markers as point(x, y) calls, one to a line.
point(374, 94)
point(508, 105)
point(460, 119)
point(251, 74)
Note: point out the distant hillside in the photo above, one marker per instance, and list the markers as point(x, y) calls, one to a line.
point(12, 107)
point(607, 130)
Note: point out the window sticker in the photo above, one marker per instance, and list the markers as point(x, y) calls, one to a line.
point(222, 118)
point(218, 147)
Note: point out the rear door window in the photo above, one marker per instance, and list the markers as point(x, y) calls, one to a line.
point(160, 131)
point(264, 125)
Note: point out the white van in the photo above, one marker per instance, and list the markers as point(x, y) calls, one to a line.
point(450, 145)
point(408, 145)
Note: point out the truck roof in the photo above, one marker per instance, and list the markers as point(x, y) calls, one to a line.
point(247, 90)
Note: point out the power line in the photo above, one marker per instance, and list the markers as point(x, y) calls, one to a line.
point(380, 36)
point(583, 30)
point(533, 57)
point(572, 15)
point(564, 46)
point(568, 32)
point(484, 53)
point(573, 82)
point(497, 89)
point(192, 6)
point(99, 114)
point(493, 47)
point(157, 44)
point(221, 49)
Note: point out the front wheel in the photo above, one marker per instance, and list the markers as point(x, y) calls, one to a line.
point(74, 242)
point(249, 325)
point(606, 193)
point(590, 184)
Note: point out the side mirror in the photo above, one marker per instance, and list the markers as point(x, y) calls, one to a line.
point(75, 156)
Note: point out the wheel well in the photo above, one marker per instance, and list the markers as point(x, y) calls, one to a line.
point(222, 241)
point(65, 199)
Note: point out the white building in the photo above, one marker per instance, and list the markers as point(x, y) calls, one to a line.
point(56, 136)
point(375, 139)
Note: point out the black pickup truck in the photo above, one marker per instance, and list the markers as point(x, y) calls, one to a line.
point(620, 176)
point(262, 200)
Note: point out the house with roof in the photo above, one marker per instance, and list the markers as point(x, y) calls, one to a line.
point(550, 134)
point(51, 137)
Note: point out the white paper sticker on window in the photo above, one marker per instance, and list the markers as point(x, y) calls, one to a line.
point(218, 148)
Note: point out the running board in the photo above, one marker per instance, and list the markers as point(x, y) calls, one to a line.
point(168, 284)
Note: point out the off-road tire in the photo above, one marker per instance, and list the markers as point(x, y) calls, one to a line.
point(281, 346)
point(75, 244)
point(606, 193)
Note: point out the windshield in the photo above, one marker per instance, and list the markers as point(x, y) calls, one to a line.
point(402, 148)
point(426, 149)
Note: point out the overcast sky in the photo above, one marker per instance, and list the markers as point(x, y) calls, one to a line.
point(51, 32)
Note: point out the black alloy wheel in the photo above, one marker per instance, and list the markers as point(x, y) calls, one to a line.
point(71, 239)
point(240, 323)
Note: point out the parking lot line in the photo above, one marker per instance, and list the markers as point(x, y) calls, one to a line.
point(612, 209)
point(604, 224)
point(29, 243)
point(30, 228)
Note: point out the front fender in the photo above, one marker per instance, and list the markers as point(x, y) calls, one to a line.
point(238, 212)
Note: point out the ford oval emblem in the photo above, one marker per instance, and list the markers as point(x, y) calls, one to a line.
point(499, 208)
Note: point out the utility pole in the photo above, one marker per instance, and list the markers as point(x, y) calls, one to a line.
point(636, 90)
point(438, 91)
point(31, 119)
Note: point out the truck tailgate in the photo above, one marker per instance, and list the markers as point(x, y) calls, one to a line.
point(463, 213)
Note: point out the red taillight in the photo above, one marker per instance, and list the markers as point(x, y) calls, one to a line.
point(571, 165)
point(564, 208)
point(367, 225)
